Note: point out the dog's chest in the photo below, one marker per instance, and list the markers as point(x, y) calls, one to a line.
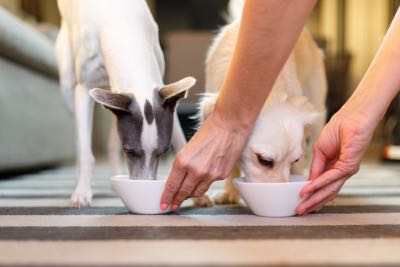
point(89, 56)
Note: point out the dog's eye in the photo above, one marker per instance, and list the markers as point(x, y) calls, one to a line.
point(265, 162)
point(131, 152)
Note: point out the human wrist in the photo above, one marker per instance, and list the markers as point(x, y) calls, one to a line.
point(365, 106)
point(231, 120)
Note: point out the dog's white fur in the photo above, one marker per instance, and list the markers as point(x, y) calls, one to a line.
point(297, 100)
point(104, 43)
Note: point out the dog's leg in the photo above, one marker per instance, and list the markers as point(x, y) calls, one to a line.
point(65, 62)
point(202, 202)
point(114, 148)
point(84, 105)
point(229, 195)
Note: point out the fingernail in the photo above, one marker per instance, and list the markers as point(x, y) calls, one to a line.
point(300, 211)
point(164, 206)
point(174, 207)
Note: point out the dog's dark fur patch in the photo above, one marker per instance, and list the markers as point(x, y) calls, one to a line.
point(164, 117)
point(148, 112)
point(130, 127)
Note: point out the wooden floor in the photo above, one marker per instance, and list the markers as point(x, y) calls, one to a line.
point(38, 228)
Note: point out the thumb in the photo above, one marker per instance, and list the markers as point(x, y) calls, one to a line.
point(318, 163)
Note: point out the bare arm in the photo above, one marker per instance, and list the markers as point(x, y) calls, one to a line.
point(381, 82)
point(343, 141)
point(268, 32)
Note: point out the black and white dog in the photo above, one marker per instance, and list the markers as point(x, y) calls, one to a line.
point(115, 44)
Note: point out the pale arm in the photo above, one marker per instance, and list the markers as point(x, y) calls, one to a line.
point(343, 141)
point(382, 81)
point(268, 32)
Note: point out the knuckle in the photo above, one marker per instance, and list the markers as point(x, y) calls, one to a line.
point(198, 172)
point(180, 161)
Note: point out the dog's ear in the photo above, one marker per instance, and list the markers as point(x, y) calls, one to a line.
point(282, 96)
point(312, 117)
point(172, 93)
point(116, 102)
point(207, 105)
point(305, 109)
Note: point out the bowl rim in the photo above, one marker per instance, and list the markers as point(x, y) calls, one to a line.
point(239, 180)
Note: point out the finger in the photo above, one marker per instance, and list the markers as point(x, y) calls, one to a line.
point(320, 196)
point(201, 188)
point(326, 178)
point(318, 163)
point(319, 206)
point(184, 191)
point(315, 198)
point(172, 186)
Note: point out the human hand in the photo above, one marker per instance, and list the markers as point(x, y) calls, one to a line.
point(209, 156)
point(337, 155)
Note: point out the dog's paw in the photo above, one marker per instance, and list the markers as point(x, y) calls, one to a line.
point(224, 198)
point(202, 202)
point(81, 198)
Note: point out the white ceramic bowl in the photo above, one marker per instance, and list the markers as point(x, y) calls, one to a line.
point(272, 199)
point(140, 196)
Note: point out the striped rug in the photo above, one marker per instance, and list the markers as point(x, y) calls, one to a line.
point(37, 228)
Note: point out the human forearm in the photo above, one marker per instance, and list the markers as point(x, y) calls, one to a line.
point(268, 32)
point(381, 82)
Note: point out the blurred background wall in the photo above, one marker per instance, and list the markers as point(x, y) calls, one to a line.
point(349, 31)
point(353, 27)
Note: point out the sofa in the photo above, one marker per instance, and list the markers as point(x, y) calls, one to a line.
point(35, 128)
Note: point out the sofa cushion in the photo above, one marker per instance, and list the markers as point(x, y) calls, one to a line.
point(25, 45)
point(35, 128)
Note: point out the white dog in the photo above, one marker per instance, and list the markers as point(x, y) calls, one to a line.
point(275, 147)
point(104, 43)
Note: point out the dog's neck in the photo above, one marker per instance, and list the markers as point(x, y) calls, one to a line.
point(134, 61)
point(140, 76)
